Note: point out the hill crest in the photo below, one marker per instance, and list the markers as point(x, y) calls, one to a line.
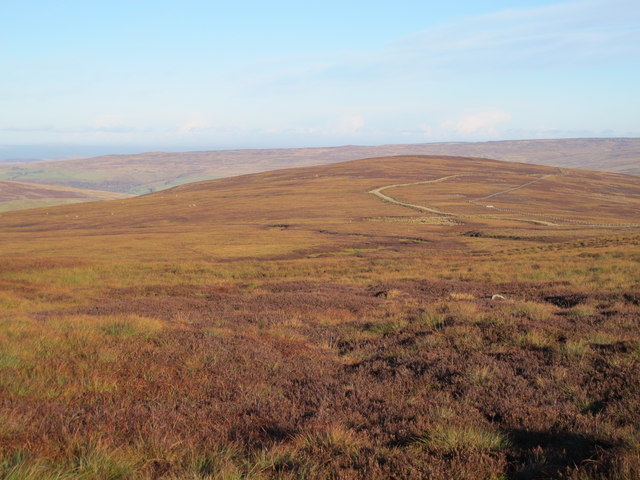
point(147, 172)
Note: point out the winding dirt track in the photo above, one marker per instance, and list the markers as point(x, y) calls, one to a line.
point(509, 190)
point(378, 193)
point(573, 222)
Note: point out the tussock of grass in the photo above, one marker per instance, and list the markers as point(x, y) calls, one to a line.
point(536, 339)
point(457, 296)
point(124, 326)
point(576, 348)
point(218, 332)
point(21, 468)
point(462, 311)
point(481, 376)
point(334, 441)
point(449, 437)
point(531, 310)
point(222, 463)
point(84, 462)
point(385, 328)
point(581, 312)
point(464, 337)
point(431, 318)
point(96, 461)
point(8, 360)
point(601, 338)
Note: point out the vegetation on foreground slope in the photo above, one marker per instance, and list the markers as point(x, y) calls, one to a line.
point(292, 325)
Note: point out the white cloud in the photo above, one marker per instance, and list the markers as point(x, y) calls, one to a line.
point(478, 124)
point(107, 121)
point(351, 124)
point(192, 127)
point(195, 123)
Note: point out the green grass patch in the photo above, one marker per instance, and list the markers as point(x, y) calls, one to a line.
point(385, 328)
point(581, 312)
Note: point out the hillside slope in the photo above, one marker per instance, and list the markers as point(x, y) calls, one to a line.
point(404, 317)
point(143, 173)
point(334, 199)
point(20, 195)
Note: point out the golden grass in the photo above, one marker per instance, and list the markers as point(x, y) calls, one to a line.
point(531, 310)
point(450, 437)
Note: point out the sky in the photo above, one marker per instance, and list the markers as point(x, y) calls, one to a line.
point(139, 75)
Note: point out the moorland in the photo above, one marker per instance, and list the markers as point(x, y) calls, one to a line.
point(153, 171)
point(400, 317)
point(21, 195)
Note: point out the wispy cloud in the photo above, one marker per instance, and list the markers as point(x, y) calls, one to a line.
point(563, 35)
point(350, 124)
point(75, 130)
point(566, 34)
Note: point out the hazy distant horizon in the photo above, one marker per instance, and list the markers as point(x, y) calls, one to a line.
point(34, 153)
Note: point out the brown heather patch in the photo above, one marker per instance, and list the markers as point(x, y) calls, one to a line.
point(186, 391)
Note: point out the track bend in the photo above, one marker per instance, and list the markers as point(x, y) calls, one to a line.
point(421, 208)
point(378, 193)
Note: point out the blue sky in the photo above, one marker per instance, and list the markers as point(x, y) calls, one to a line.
point(139, 75)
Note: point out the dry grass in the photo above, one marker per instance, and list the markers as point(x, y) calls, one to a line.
point(452, 438)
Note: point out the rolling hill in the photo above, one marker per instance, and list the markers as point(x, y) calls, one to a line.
point(147, 172)
point(400, 317)
point(20, 195)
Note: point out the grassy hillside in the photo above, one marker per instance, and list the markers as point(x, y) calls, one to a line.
point(407, 317)
point(20, 195)
point(147, 172)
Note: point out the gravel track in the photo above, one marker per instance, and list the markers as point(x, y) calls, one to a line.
point(421, 208)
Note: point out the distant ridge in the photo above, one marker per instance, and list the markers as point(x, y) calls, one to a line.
point(148, 172)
